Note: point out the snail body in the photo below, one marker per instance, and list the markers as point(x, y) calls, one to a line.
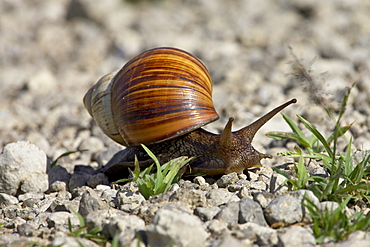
point(162, 98)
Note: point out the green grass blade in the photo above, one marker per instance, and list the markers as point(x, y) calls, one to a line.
point(294, 127)
point(302, 173)
point(314, 131)
point(79, 216)
point(283, 135)
point(66, 154)
point(340, 131)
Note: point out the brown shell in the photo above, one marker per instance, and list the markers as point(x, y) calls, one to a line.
point(161, 94)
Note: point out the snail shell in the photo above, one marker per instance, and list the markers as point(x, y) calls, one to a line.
point(158, 95)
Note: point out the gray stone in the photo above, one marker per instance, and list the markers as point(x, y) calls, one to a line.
point(239, 185)
point(206, 214)
point(176, 227)
point(58, 186)
point(217, 197)
point(263, 198)
point(73, 242)
point(35, 183)
point(188, 198)
point(31, 195)
point(96, 179)
point(251, 211)
point(329, 206)
point(296, 236)
point(101, 218)
point(14, 223)
point(200, 180)
point(228, 240)
point(217, 227)
point(228, 179)
point(58, 173)
point(128, 200)
point(264, 236)
point(90, 202)
point(357, 238)
point(126, 226)
point(78, 180)
point(6, 200)
point(26, 229)
point(229, 214)
point(59, 220)
point(21, 165)
point(288, 208)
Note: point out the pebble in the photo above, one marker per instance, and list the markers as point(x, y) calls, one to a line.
point(251, 211)
point(6, 200)
point(126, 227)
point(20, 161)
point(288, 237)
point(288, 208)
point(176, 226)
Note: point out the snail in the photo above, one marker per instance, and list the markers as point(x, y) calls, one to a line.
point(161, 98)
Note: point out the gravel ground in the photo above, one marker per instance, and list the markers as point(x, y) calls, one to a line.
point(51, 52)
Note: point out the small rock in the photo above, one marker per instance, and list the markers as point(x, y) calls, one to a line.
point(101, 218)
point(328, 205)
point(20, 161)
point(200, 180)
point(172, 225)
point(78, 180)
point(108, 195)
point(228, 179)
point(288, 237)
point(90, 202)
point(15, 223)
point(128, 200)
point(60, 220)
point(31, 195)
point(43, 82)
point(72, 242)
point(357, 238)
point(229, 214)
point(217, 227)
point(35, 183)
point(288, 208)
point(26, 229)
point(126, 226)
point(263, 198)
point(228, 240)
point(265, 236)
point(277, 184)
point(243, 193)
point(40, 220)
point(188, 198)
point(238, 185)
point(97, 179)
point(217, 197)
point(251, 211)
point(206, 214)
point(58, 186)
point(6, 200)
point(58, 173)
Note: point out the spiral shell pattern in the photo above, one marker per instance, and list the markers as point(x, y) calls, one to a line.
point(158, 95)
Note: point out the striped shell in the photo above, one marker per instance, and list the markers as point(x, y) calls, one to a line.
point(158, 95)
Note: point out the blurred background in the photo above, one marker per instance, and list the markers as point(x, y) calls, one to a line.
point(51, 52)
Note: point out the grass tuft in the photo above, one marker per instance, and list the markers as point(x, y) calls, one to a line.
point(151, 184)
